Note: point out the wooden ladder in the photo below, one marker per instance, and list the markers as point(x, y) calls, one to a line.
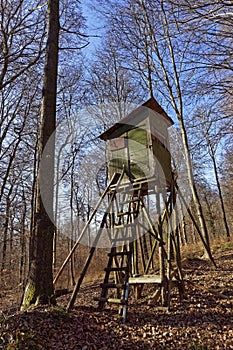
point(120, 283)
point(119, 266)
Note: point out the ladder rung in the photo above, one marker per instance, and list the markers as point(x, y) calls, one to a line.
point(112, 285)
point(118, 226)
point(119, 254)
point(123, 225)
point(126, 213)
point(117, 301)
point(129, 225)
point(123, 268)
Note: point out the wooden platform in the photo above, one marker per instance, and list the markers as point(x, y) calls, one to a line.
point(145, 185)
point(144, 279)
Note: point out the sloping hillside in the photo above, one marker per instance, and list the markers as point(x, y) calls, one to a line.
point(204, 320)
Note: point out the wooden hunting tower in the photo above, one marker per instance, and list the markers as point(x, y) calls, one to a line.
point(139, 204)
point(139, 142)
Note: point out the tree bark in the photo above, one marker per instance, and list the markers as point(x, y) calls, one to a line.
point(39, 288)
point(224, 217)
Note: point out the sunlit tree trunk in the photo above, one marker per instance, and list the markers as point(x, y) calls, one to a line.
point(220, 196)
point(39, 288)
point(23, 240)
point(176, 98)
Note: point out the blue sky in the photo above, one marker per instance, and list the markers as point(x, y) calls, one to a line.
point(93, 23)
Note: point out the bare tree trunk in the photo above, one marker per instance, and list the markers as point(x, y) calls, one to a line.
point(219, 191)
point(72, 238)
point(176, 98)
point(33, 198)
point(5, 232)
point(22, 240)
point(196, 200)
point(211, 217)
point(39, 288)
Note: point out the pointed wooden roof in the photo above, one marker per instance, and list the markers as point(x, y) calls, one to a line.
point(151, 103)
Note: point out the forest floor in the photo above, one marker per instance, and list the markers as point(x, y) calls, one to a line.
point(203, 320)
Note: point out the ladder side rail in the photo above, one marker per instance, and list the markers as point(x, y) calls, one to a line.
point(92, 250)
point(86, 265)
point(113, 179)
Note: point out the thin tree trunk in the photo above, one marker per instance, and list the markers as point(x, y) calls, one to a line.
point(72, 238)
point(219, 192)
point(195, 196)
point(211, 217)
point(22, 241)
point(5, 232)
point(177, 103)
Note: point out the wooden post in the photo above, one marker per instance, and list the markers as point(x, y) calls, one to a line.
point(161, 255)
point(169, 248)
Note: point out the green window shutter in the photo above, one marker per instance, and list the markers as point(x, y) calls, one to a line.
point(138, 152)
